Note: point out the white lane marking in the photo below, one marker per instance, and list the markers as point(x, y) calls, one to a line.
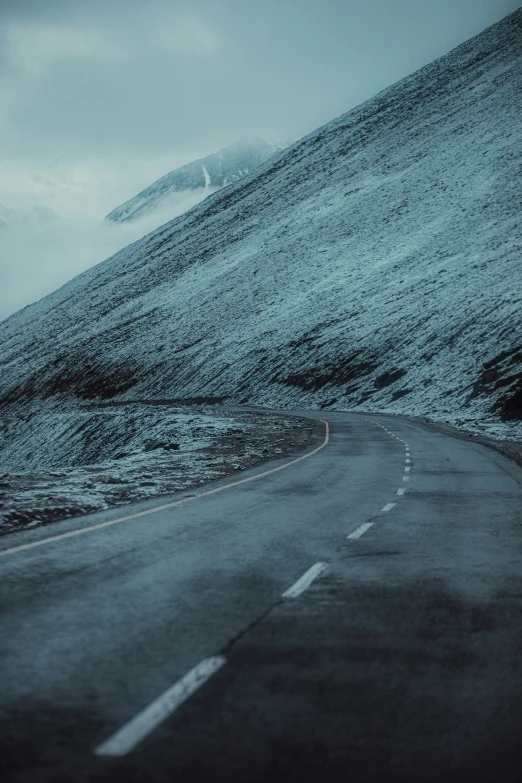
point(133, 732)
point(408, 455)
point(407, 469)
point(405, 478)
point(110, 522)
point(304, 581)
point(360, 530)
point(407, 460)
point(388, 507)
point(401, 491)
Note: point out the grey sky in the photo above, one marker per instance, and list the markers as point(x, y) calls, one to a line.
point(99, 98)
point(121, 77)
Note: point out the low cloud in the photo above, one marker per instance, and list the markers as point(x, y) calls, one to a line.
point(32, 47)
point(38, 259)
point(186, 34)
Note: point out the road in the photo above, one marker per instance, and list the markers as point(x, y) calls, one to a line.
point(396, 658)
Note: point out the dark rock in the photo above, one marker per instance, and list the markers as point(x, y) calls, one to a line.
point(396, 395)
point(151, 445)
point(388, 378)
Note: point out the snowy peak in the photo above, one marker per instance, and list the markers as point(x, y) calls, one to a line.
point(221, 168)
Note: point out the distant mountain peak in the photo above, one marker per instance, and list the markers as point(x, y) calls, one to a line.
point(216, 170)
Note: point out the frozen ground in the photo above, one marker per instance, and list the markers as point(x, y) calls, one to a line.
point(55, 465)
point(375, 264)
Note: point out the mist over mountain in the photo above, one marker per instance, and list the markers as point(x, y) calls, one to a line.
point(34, 215)
point(373, 264)
point(202, 176)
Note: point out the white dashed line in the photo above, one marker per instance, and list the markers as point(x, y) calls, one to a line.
point(148, 719)
point(400, 492)
point(388, 507)
point(304, 581)
point(360, 530)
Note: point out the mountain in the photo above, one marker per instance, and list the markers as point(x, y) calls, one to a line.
point(36, 214)
point(373, 264)
point(228, 165)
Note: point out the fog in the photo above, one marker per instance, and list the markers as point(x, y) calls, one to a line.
point(99, 99)
point(38, 259)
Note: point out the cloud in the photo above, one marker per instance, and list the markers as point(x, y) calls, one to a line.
point(38, 259)
point(88, 187)
point(7, 99)
point(186, 34)
point(31, 48)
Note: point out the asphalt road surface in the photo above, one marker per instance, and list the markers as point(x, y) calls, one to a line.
point(353, 616)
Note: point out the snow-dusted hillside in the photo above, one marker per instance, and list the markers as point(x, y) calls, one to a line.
point(59, 464)
point(203, 176)
point(375, 263)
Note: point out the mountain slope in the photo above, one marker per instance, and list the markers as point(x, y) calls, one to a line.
point(221, 168)
point(375, 262)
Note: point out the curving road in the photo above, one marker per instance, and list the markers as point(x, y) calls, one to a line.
point(354, 615)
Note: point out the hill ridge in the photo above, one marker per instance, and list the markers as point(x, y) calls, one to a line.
point(373, 264)
point(216, 170)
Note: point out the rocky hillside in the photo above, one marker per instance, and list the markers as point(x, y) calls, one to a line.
point(206, 175)
point(376, 263)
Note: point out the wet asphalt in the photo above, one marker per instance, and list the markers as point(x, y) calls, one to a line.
point(400, 662)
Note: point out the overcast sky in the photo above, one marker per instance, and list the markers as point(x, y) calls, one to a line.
point(122, 89)
point(99, 98)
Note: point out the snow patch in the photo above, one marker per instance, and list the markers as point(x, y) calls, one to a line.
point(207, 176)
